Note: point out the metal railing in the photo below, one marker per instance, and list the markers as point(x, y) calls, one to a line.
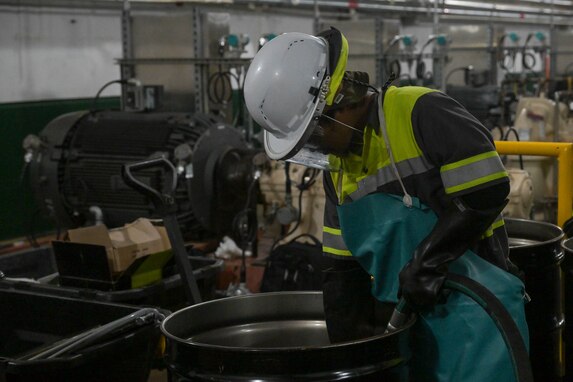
point(564, 154)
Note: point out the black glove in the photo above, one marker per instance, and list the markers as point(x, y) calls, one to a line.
point(457, 229)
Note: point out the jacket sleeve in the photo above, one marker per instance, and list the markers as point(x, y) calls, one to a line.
point(457, 143)
point(472, 174)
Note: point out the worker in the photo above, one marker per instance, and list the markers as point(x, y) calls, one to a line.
point(414, 190)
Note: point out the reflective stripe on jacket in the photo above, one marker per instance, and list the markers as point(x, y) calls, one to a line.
point(440, 151)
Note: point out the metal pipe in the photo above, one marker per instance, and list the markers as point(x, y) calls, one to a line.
point(436, 18)
point(316, 17)
point(564, 154)
point(467, 10)
point(138, 318)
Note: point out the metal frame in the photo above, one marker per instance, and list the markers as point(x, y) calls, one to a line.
point(493, 54)
point(126, 71)
point(199, 62)
point(379, 45)
point(536, 12)
point(198, 50)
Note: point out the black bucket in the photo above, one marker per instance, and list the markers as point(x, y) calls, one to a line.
point(275, 337)
point(53, 339)
point(535, 247)
point(30, 263)
point(567, 267)
point(166, 293)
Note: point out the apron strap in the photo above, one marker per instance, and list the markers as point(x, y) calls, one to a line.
point(407, 199)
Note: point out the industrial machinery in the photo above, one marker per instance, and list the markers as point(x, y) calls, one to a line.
point(293, 196)
point(74, 168)
point(481, 101)
point(440, 43)
point(506, 56)
point(520, 194)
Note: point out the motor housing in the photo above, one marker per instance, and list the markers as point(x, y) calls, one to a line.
point(74, 165)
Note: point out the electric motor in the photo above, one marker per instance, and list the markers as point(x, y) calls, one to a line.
point(74, 168)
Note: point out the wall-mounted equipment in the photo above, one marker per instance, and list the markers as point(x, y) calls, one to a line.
point(135, 95)
point(75, 165)
point(440, 43)
point(528, 57)
point(138, 97)
point(224, 80)
point(520, 194)
point(506, 55)
point(265, 38)
point(467, 71)
point(407, 48)
point(233, 45)
point(481, 101)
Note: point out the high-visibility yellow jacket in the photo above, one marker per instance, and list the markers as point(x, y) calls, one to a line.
point(441, 151)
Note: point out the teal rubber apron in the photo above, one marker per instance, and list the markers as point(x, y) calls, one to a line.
point(456, 341)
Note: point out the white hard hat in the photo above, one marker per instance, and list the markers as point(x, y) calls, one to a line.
point(288, 84)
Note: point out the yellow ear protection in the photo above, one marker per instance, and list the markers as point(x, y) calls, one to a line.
point(337, 59)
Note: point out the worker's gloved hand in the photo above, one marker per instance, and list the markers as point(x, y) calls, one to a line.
point(420, 286)
point(457, 229)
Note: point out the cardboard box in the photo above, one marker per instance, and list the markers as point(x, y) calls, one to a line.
point(121, 258)
point(125, 244)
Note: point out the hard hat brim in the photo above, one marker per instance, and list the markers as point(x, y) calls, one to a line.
point(285, 148)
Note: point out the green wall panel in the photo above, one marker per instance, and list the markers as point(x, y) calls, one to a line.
point(19, 215)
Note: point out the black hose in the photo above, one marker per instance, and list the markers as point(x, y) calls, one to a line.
point(311, 174)
point(465, 68)
point(506, 60)
point(494, 308)
point(528, 60)
point(393, 67)
point(420, 68)
point(245, 228)
point(505, 138)
point(287, 180)
point(219, 86)
point(94, 102)
point(502, 319)
point(420, 64)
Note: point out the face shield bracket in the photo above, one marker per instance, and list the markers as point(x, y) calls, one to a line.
point(313, 122)
point(302, 153)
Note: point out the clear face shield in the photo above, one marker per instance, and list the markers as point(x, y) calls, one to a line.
point(325, 139)
point(305, 145)
point(311, 150)
point(324, 148)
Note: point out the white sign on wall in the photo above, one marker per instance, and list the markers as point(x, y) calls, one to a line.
point(48, 54)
